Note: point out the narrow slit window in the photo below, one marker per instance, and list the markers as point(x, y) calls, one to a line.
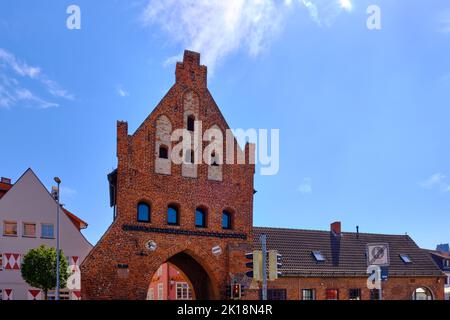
point(163, 152)
point(191, 123)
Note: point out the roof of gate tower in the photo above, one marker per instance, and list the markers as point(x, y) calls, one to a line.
point(190, 76)
point(188, 97)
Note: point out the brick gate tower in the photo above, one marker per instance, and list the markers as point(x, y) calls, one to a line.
point(197, 216)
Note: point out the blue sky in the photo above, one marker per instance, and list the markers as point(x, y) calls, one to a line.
point(363, 114)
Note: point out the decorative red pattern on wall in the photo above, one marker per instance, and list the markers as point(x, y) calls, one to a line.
point(12, 261)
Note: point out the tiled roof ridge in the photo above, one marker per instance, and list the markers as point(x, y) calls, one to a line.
point(328, 231)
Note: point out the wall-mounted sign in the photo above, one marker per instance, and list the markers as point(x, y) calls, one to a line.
point(151, 245)
point(217, 250)
point(378, 254)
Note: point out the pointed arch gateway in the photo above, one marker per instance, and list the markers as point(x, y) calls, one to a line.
point(196, 274)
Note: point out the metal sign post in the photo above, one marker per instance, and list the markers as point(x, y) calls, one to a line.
point(378, 255)
point(264, 266)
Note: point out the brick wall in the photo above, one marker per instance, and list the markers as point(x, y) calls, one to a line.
point(137, 181)
point(396, 288)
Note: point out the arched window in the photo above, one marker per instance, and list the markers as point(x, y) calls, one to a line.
point(143, 212)
point(226, 219)
point(163, 152)
point(200, 218)
point(190, 123)
point(172, 215)
point(422, 294)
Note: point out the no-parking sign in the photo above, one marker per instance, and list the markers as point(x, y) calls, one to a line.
point(378, 254)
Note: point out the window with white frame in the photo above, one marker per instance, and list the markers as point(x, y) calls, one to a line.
point(183, 291)
point(29, 229)
point(160, 291)
point(308, 294)
point(151, 294)
point(1, 261)
point(10, 228)
point(47, 231)
point(160, 271)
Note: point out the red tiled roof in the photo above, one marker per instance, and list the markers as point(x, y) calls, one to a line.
point(80, 224)
point(4, 187)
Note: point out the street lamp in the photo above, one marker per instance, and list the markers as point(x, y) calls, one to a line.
point(58, 181)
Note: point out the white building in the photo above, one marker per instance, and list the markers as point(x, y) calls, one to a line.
point(28, 220)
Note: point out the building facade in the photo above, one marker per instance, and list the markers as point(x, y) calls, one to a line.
point(198, 217)
point(28, 220)
point(169, 283)
point(441, 257)
point(332, 265)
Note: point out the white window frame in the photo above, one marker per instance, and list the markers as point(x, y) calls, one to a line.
point(313, 293)
point(23, 229)
point(42, 230)
point(4, 228)
point(185, 291)
point(160, 291)
point(151, 294)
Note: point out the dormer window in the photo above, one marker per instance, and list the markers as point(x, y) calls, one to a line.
point(163, 152)
point(318, 256)
point(405, 258)
point(191, 123)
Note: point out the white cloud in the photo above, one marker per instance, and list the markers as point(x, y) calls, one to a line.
point(313, 11)
point(67, 192)
point(437, 181)
point(121, 91)
point(217, 28)
point(305, 186)
point(12, 92)
point(346, 5)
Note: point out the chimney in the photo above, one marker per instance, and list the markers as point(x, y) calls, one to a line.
point(5, 180)
point(336, 228)
point(357, 232)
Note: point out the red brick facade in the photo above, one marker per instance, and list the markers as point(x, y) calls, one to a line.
point(121, 265)
point(186, 246)
point(396, 288)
